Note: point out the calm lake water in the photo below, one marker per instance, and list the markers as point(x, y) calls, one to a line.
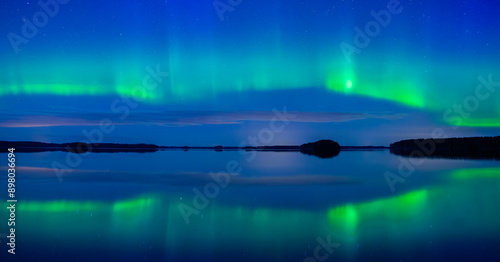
point(280, 206)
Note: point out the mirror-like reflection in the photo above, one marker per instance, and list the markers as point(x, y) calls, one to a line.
point(116, 212)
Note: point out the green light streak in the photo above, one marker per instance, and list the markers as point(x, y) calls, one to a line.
point(59, 206)
point(347, 218)
point(474, 173)
point(401, 91)
point(406, 218)
point(196, 75)
point(134, 205)
point(480, 122)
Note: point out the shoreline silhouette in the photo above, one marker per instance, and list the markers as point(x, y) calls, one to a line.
point(321, 148)
point(452, 148)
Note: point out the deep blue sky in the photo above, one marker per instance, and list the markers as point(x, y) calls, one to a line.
point(219, 80)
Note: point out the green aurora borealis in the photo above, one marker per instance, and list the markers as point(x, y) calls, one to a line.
point(427, 59)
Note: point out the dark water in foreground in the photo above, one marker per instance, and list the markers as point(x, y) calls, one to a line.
point(280, 207)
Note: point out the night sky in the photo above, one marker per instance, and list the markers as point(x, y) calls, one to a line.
point(204, 72)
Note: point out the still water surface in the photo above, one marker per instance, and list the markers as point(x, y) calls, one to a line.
point(281, 206)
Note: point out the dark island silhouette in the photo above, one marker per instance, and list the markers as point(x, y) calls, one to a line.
point(458, 148)
point(322, 148)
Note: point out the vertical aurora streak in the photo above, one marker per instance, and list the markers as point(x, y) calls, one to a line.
point(263, 47)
